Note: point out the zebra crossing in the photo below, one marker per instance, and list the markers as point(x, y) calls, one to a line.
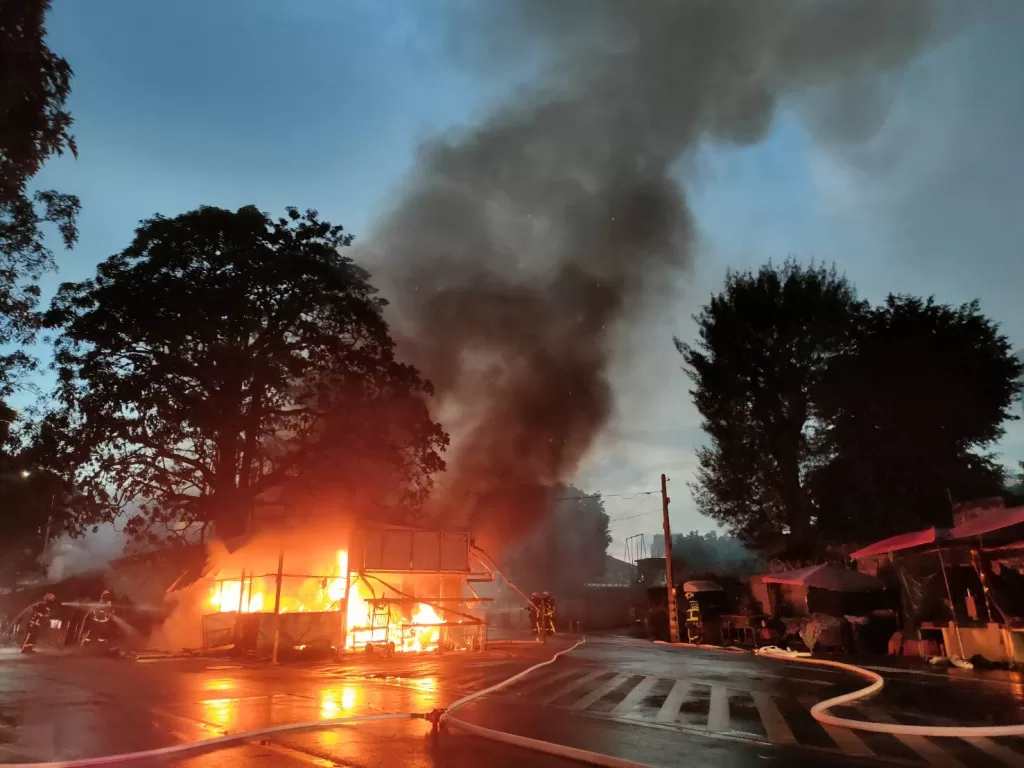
point(749, 714)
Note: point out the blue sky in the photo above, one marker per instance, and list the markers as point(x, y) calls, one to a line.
point(322, 104)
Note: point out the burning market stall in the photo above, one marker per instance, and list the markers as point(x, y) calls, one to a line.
point(402, 589)
point(411, 590)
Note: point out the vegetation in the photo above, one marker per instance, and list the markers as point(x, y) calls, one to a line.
point(226, 360)
point(831, 421)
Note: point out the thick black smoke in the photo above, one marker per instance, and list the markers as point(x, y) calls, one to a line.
point(518, 247)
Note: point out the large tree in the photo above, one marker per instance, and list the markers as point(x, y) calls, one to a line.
point(764, 344)
point(34, 125)
point(913, 409)
point(227, 359)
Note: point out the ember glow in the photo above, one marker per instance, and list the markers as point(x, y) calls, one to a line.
point(378, 620)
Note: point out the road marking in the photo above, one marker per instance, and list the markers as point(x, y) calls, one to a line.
point(718, 709)
point(670, 709)
point(534, 685)
point(633, 698)
point(600, 691)
point(847, 740)
point(998, 751)
point(572, 686)
point(929, 750)
point(775, 725)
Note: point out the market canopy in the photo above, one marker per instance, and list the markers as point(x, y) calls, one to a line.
point(900, 542)
point(991, 521)
point(826, 576)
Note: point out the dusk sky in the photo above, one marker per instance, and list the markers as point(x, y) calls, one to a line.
point(322, 104)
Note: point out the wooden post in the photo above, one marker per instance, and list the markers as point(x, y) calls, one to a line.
point(277, 606)
point(238, 615)
point(673, 613)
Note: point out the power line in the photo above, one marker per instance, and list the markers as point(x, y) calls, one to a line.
point(631, 517)
point(626, 496)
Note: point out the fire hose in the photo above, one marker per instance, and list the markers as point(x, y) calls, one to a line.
point(444, 718)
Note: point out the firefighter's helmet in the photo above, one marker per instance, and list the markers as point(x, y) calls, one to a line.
point(546, 593)
point(535, 595)
point(49, 597)
point(104, 594)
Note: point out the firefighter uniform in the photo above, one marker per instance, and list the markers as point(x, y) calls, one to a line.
point(98, 626)
point(547, 605)
point(40, 616)
point(536, 613)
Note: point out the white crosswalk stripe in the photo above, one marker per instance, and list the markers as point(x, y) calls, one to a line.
point(1002, 754)
point(600, 692)
point(775, 725)
point(848, 741)
point(932, 753)
point(670, 709)
point(634, 697)
point(717, 708)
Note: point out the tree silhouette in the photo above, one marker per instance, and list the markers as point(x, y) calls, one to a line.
point(912, 409)
point(33, 126)
point(764, 343)
point(226, 359)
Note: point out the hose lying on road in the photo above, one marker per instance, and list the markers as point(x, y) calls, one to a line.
point(537, 745)
point(218, 741)
point(820, 710)
point(558, 750)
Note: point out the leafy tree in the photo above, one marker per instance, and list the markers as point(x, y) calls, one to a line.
point(33, 126)
point(567, 549)
point(912, 408)
point(764, 344)
point(225, 360)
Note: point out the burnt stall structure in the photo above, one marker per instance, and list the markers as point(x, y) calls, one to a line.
point(412, 590)
point(384, 589)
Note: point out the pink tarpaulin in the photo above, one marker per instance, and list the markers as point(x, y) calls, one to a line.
point(832, 577)
point(897, 543)
point(991, 521)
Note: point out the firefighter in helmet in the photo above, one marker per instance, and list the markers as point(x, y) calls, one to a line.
point(40, 616)
point(547, 604)
point(536, 613)
point(97, 626)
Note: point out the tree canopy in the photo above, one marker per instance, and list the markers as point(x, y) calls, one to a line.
point(831, 421)
point(764, 343)
point(912, 409)
point(34, 125)
point(227, 360)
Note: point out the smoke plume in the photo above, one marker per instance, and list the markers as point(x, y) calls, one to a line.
point(517, 248)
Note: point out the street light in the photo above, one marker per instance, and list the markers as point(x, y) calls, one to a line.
point(25, 473)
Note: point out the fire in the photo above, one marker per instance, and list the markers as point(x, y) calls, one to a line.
point(423, 638)
point(379, 619)
point(257, 593)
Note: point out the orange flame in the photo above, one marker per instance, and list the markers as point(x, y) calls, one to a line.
point(377, 623)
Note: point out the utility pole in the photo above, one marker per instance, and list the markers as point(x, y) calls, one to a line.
point(673, 613)
point(277, 605)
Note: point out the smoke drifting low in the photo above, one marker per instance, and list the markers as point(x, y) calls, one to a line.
point(519, 247)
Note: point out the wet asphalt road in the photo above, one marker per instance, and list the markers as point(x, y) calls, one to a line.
point(652, 704)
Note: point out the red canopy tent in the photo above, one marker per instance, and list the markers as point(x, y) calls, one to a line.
point(900, 542)
point(831, 577)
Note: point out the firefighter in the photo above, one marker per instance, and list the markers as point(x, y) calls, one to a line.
point(694, 620)
point(97, 626)
point(547, 603)
point(40, 616)
point(535, 609)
